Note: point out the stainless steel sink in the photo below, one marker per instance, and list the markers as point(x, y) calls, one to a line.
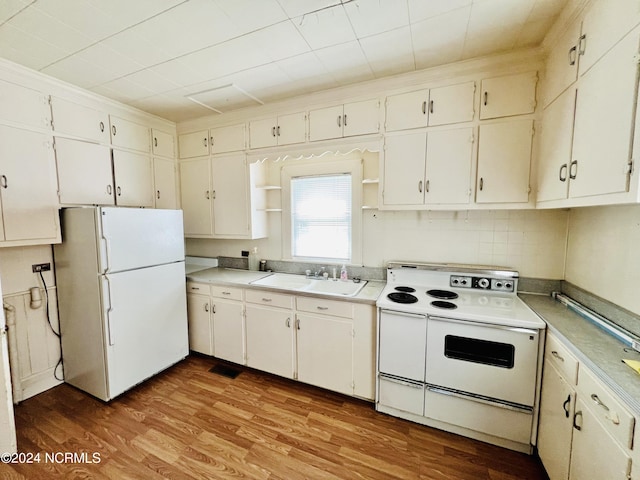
point(300, 283)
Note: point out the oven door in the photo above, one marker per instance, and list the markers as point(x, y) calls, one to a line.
point(486, 360)
point(402, 344)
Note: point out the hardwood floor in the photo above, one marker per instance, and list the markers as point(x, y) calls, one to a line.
point(190, 423)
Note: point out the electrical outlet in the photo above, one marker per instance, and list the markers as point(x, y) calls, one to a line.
point(244, 253)
point(41, 267)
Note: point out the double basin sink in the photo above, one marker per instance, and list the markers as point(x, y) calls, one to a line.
point(301, 283)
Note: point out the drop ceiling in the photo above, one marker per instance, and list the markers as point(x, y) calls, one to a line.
point(182, 59)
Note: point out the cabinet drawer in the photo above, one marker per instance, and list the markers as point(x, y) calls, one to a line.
point(269, 298)
point(199, 288)
point(327, 307)
point(230, 293)
point(608, 410)
point(401, 395)
point(560, 357)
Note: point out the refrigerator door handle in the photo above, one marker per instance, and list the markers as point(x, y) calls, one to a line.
point(109, 310)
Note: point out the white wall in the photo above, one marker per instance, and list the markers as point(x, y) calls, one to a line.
point(16, 272)
point(533, 242)
point(604, 253)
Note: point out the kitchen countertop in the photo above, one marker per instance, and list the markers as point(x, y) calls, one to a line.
point(598, 350)
point(242, 278)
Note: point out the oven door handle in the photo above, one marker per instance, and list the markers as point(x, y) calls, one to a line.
point(479, 399)
point(526, 331)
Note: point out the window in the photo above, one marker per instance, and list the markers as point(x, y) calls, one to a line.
point(321, 217)
point(322, 214)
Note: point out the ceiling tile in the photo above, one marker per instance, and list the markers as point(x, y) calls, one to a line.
point(490, 41)
point(27, 50)
point(79, 72)
point(178, 71)
point(420, 10)
point(127, 13)
point(303, 66)
point(440, 40)
point(532, 33)
point(137, 48)
point(250, 15)
point(171, 107)
point(8, 8)
point(123, 90)
point(371, 17)
point(296, 8)
point(491, 15)
point(346, 63)
point(108, 60)
point(325, 28)
point(278, 41)
point(545, 9)
point(390, 52)
point(151, 81)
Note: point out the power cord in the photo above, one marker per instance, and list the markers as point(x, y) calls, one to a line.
point(57, 334)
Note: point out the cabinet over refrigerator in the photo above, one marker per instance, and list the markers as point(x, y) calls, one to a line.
point(121, 296)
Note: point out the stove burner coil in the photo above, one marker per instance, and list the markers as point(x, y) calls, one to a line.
point(442, 294)
point(405, 289)
point(445, 305)
point(402, 297)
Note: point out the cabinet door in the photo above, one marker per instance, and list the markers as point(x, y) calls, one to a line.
point(85, 176)
point(452, 104)
point(555, 148)
point(562, 64)
point(325, 123)
point(504, 158)
point(325, 352)
point(605, 110)
point(604, 24)
point(128, 134)
point(364, 350)
point(263, 133)
point(200, 328)
point(508, 95)
point(194, 144)
point(270, 339)
point(448, 168)
point(361, 118)
point(164, 181)
point(79, 121)
point(555, 429)
point(226, 139)
point(595, 454)
point(228, 331)
point(133, 179)
point(162, 143)
point(27, 185)
point(195, 188)
point(24, 106)
point(407, 110)
point(292, 128)
point(230, 195)
point(404, 169)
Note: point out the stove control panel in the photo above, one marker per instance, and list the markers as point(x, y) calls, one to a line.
point(482, 283)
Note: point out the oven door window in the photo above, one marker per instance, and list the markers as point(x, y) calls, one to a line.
point(479, 351)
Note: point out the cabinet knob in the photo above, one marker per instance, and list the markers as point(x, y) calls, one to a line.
point(3, 181)
point(565, 406)
point(582, 45)
point(573, 169)
point(119, 191)
point(424, 107)
point(288, 322)
point(109, 189)
point(158, 194)
point(340, 120)
point(486, 97)
point(572, 55)
point(113, 130)
point(575, 420)
point(431, 106)
point(481, 183)
point(420, 186)
point(562, 178)
point(101, 125)
point(155, 142)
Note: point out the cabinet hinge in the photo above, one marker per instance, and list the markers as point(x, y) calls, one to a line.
point(353, 385)
point(529, 189)
point(353, 333)
point(630, 167)
point(636, 58)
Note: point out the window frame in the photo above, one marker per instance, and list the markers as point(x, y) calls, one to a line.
point(351, 166)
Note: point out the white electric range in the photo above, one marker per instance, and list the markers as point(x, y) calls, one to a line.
point(458, 350)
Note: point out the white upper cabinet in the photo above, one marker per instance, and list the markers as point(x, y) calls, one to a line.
point(508, 95)
point(428, 168)
point(282, 130)
point(77, 120)
point(227, 139)
point(24, 106)
point(128, 134)
point(407, 110)
point(85, 176)
point(504, 159)
point(604, 121)
point(164, 182)
point(452, 104)
point(162, 143)
point(133, 179)
point(562, 64)
point(195, 144)
point(230, 195)
point(28, 186)
point(195, 181)
point(604, 24)
point(350, 119)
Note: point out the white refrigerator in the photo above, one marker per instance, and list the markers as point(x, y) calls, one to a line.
point(7, 424)
point(121, 296)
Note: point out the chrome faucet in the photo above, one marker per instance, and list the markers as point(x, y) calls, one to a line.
point(320, 274)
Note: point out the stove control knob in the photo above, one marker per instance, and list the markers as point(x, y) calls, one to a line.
point(483, 283)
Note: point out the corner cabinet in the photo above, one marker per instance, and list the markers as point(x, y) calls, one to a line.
point(220, 198)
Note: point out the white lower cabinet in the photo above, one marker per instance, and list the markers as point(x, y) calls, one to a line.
point(584, 432)
point(199, 315)
point(270, 332)
point(227, 311)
